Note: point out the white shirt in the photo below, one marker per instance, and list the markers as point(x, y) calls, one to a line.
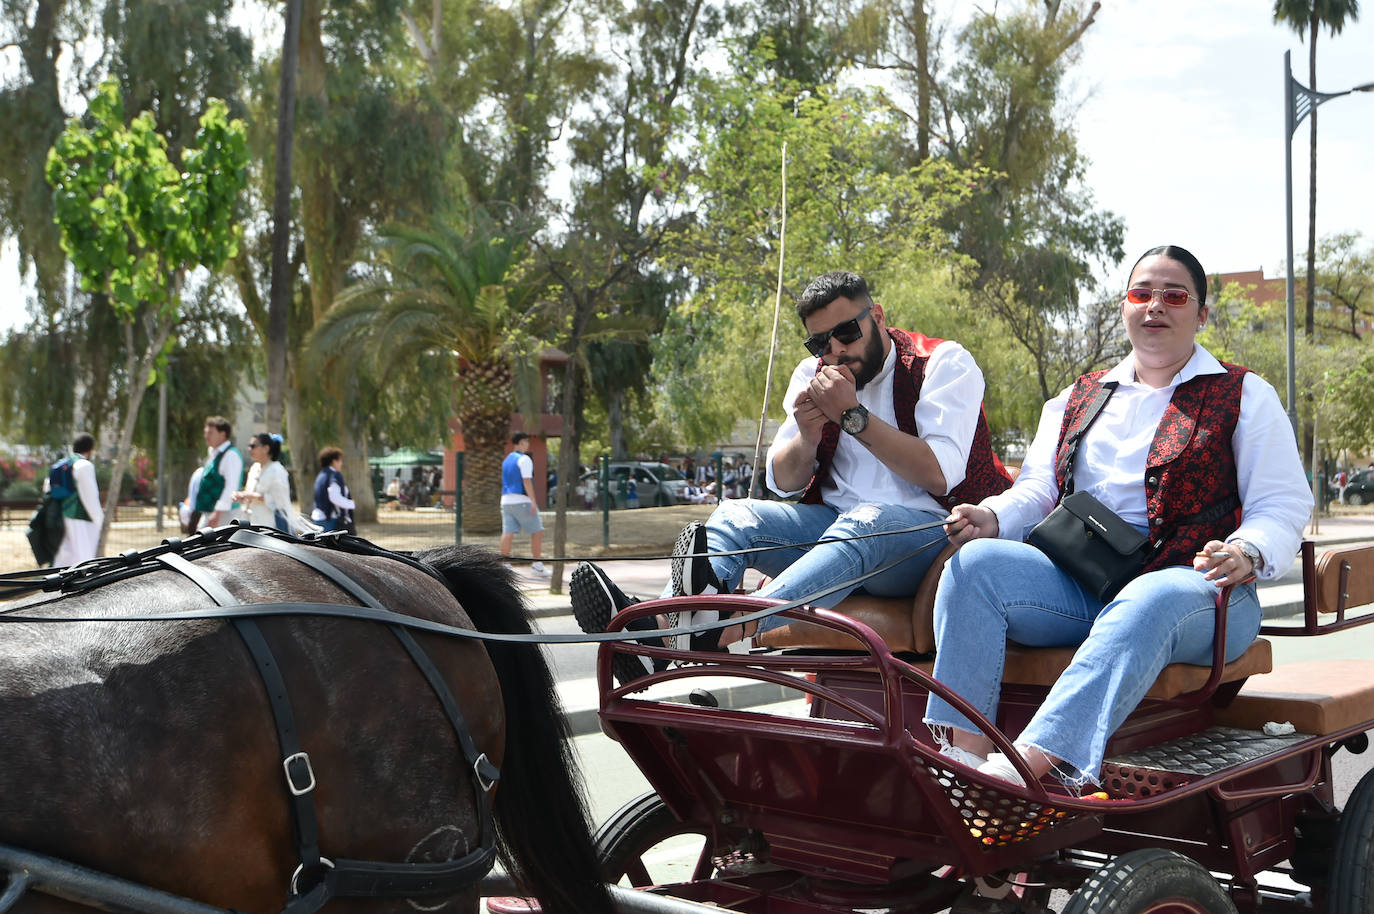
point(1111, 463)
point(231, 468)
point(268, 480)
point(946, 416)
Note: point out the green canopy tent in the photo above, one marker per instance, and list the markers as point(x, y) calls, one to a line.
point(408, 457)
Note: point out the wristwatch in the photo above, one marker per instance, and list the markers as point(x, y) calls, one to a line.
point(1249, 550)
point(854, 420)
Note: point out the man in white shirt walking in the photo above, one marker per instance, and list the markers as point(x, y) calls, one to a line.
point(72, 481)
point(519, 508)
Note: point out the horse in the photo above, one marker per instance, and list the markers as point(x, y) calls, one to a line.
point(147, 750)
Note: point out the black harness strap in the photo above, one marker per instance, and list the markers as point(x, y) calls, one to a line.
point(317, 878)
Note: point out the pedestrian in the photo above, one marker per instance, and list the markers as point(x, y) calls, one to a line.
point(885, 431)
point(1342, 480)
point(333, 507)
point(223, 475)
point(72, 482)
point(519, 510)
point(267, 493)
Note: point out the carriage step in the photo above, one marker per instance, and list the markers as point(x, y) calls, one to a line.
point(1155, 769)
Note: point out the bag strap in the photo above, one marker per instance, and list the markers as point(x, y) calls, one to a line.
point(1066, 459)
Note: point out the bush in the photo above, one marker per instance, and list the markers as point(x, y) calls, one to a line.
point(23, 490)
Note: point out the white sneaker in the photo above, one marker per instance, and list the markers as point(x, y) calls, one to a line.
point(1000, 767)
point(963, 756)
point(538, 568)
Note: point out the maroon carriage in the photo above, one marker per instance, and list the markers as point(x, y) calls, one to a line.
point(849, 806)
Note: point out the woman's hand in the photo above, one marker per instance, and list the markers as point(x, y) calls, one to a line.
point(1223, 563)
point(970, 522)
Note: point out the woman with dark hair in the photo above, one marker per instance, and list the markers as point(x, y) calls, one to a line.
point(333, 506)
point(1194, 453)
point(267, 493)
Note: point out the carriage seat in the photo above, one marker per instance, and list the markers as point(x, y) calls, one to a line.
point(1317, 696)
point(907, 624)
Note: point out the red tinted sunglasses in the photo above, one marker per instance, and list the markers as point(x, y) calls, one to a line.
point(1174, 298)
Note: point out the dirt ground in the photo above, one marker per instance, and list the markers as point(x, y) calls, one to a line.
point(645, 531)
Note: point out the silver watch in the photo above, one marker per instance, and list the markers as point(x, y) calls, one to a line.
point(1251, 552)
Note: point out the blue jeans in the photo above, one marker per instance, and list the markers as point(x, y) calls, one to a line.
point(800, 572)
point(993, 590)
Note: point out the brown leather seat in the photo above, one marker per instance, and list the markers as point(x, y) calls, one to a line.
point(907, 624)
point(1315, 696)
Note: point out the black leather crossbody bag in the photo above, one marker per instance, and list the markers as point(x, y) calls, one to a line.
point(1091, 542)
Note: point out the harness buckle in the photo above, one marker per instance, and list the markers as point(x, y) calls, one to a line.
point(300, 868)
point(290, 778)
point(487, 773)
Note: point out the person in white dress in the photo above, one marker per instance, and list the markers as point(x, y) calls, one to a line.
point(82, 514)
point(267, 493)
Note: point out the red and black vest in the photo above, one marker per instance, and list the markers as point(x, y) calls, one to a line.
point(1191, 465)
point(984, 474)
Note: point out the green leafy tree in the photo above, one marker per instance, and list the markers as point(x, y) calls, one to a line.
point(133, 222)
point(853, 203)
point(449, 293)
point(1306, 17)
point(1345, 275)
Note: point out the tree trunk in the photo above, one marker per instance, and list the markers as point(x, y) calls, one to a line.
point(303, 460)
point(615, 418)
point(1310, 325)
point(921, 20)
point(279, 300)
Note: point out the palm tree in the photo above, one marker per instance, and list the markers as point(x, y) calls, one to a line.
point(1305, 16)
point(450, 290)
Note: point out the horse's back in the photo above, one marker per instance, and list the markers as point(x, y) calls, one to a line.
point(149, 750)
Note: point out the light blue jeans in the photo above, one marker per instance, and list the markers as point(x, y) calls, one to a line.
point(993, 590)
point(798, 573)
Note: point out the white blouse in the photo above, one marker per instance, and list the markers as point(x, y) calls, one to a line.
point(268, 480)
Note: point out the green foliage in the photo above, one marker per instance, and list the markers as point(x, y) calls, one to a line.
point(129, 218)
point(852, 203)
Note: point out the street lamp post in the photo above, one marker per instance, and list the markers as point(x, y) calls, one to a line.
point(1298, 102)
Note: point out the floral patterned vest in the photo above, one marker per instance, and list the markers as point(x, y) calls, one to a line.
point(1190, 467)
point(983, 476)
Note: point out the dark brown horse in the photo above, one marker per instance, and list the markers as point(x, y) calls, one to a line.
point(147, 750)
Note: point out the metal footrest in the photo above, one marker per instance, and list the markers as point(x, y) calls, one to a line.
point(1154, 769)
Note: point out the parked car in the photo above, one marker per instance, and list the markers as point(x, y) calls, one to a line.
point(656, 485)
point(1360, 490)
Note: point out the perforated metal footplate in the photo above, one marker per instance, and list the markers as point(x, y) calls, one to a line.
point(1154, 769)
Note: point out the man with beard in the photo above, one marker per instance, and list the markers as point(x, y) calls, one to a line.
point(885, 432)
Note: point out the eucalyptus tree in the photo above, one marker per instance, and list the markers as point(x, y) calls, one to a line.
point(1306, 17)
point(133, 221)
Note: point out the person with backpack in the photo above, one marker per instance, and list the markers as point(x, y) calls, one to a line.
point(71, 481)
point(223, 475)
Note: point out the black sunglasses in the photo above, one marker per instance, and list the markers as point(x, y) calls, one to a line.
point(846, 332)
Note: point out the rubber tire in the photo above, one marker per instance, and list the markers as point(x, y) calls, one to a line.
point(1154, 881)
point(1355, 499)
point(636, 828)
point(1351, 888)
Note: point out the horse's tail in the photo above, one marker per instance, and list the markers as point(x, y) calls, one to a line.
point(542, 823)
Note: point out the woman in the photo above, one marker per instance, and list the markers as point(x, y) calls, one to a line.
point(1180, 433)
point(333, 507)
point(267, 492)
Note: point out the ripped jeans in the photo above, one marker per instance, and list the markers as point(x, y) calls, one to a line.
point(993, 590)
point(799, 572)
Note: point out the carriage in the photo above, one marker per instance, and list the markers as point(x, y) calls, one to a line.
point(1216, 795)
point(837, 801)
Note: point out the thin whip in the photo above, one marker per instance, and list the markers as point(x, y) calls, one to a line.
point(773, 340)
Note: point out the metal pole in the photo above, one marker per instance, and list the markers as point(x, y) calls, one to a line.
point(604, 484)
point(161, 448)
point(458, 498)
point(1289, 125)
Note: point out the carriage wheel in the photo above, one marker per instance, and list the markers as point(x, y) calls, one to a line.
point(644, 844)
point(1355, 499)
point(1150, 881)
point(1352, 865)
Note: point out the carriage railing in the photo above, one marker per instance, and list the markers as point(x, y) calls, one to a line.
point(1350, 592)
point(888, 723)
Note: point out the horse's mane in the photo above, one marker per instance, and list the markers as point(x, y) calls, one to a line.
point(541, 809)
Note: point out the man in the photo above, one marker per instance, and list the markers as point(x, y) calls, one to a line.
point(222, 475)
point(72, 482)
point(519, 510)
point(885, 431)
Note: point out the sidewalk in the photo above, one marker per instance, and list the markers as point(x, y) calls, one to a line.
point(1280, 598)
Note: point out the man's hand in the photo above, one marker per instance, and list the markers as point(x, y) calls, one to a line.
point(534, 509)
point(212, 519)
point(810, 419)
point(833, 391)
point(1223, 563)
point(970, 522)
